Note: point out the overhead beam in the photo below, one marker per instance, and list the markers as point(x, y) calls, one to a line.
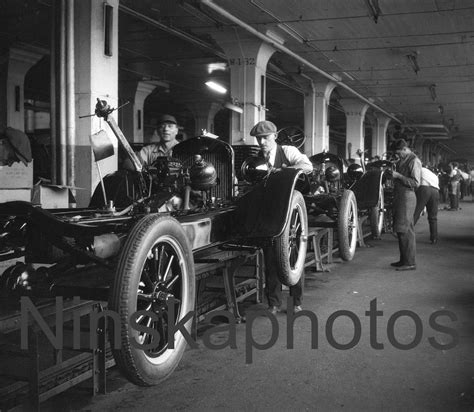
point(172, 30)
point(308, 64)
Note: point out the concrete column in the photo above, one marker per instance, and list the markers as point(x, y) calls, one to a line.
point(418, 148)
point(204, 113)
point(96, 77)
point(379, 137)
point(316, 103)
point(247, 59)
point(355, 113)
point(126, 116)
point(438, 154)
point(131, 115)
point(433, 158)
point(13, 70)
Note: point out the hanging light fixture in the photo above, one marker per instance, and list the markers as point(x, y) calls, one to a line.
point(216, 87)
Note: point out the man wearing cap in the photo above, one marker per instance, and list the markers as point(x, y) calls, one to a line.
point(167, 130)
point(278, 157)
point(407, 178)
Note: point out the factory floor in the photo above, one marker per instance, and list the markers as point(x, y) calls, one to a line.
point(415, 353)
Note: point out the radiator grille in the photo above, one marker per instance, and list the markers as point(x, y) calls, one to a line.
point(216, 152)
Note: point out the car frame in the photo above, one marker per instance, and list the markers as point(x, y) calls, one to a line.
point(139, 252)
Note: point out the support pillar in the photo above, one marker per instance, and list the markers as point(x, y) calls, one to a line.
point(355, 113)
point(433, 157)
point(204, 113)
point(13, 70)
point(418, 147)
point(316, 128)
point(131, 115)
point(379, 137)
point(247, 59)
point(96, 77)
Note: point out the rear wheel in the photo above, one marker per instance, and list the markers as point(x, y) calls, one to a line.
point(377, 216)
point(347, 225)
point(290, 247)
point(155, 275)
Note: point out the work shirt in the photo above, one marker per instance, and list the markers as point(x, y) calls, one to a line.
point(428, 178)
point(148, 154)
point(294, 156)
point(410, 169)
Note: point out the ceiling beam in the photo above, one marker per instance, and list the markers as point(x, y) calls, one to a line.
point(308, 64)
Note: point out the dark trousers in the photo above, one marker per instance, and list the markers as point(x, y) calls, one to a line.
point(443, 194)
point(454, 194)
point(273, 284)
point(407, 245)
point(427, 196)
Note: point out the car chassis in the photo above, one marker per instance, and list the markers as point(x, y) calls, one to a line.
point(139, 257)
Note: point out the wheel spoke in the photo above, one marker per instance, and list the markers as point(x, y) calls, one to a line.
point(297, 228)
point(147, 282)
point(147, 336)
point(170, 284)
point(165, 276)
point(160, 258)
point(296, 216)
point(140, 318)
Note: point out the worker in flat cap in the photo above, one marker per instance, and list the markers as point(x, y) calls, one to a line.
point(166, 131)
point(407, 178)
point(278, 157)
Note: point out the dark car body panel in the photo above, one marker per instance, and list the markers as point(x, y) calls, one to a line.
point(262, 212)
point(367, 189)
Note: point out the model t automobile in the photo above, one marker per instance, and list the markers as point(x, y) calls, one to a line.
point(336, 194)
point(138, 253)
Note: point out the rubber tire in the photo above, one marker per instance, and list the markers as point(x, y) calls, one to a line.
point(140, 368)
point(347, 240)
point(377, 216)
point(287, 274)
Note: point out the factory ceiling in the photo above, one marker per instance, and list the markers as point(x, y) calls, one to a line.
point(412, 59)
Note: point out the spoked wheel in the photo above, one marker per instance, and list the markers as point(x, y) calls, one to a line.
point(377, 216)
point(290, 247)
point(347, 225)
point(291, 135)
point(153, 290)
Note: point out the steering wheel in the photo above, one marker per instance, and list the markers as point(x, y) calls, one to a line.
point(292, 136)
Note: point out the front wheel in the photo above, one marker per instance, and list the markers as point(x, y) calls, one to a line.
point(290, 247)
point(347, 225)
point(377, 217)
point(153, 290)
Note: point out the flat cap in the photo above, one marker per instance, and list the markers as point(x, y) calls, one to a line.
point(167, 118)
point(263, 128)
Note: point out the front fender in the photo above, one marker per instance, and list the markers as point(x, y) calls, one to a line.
point(367, 189)
point(263, 212)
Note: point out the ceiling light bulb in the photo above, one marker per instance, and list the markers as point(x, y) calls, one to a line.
point(216, 87)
